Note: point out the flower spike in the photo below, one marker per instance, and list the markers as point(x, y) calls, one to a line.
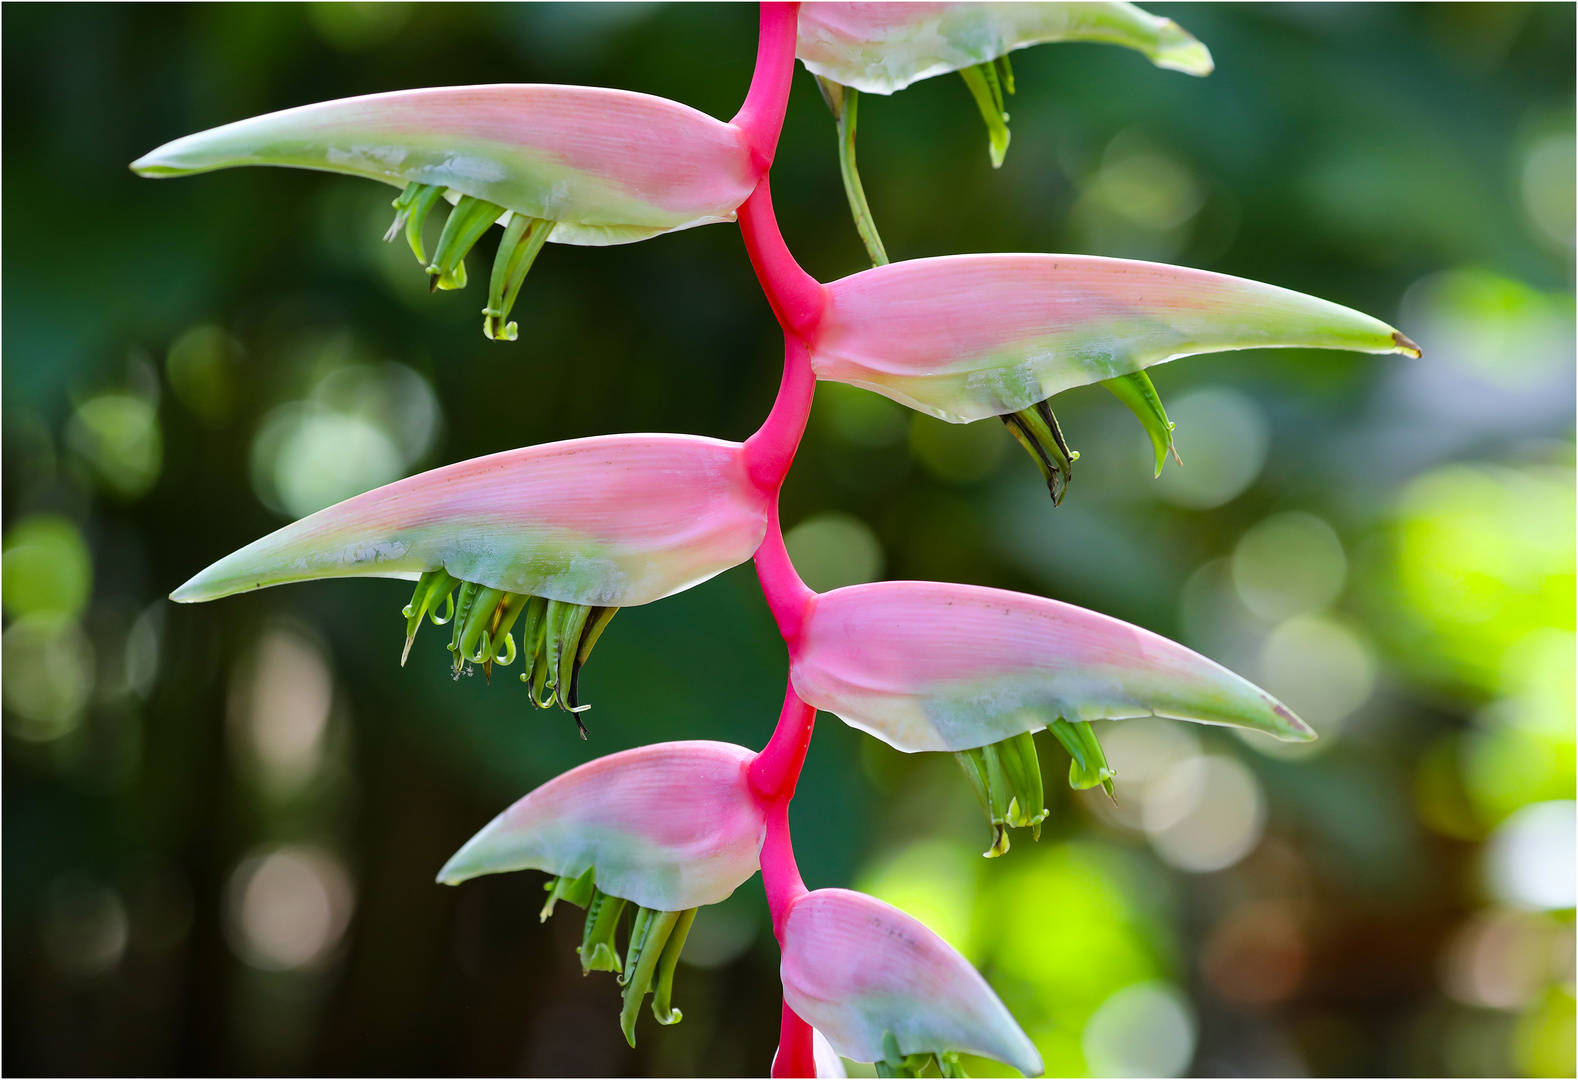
point(596, 166)
point(555, 538)
point(883, 988)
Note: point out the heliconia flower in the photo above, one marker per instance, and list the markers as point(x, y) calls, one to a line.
point(926, 666)
point(963, 337)
point(883, 988)
point(572, 164)
point(668, 828)
point(556, 536)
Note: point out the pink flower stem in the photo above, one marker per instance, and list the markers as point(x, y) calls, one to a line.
point(797, 300)
point(780, 874)
point(796, 297)
point(776, 769)
point(762, 115)
point(796, 1055)
point(770, 452)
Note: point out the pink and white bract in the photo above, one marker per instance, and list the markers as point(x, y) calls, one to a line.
point(614, 520)
point(964, 337)
point(608, 166)
point(929, 666)
point(669, 826)
point(879, 48)
point(857, 969)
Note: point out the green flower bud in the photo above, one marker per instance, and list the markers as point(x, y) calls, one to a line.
point(1089, 766)
point(1137, 392)
point(556, 637)
point(1036, 429)
point(1006, 778)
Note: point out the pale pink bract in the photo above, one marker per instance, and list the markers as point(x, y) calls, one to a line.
point(964, 337)
point(930, 666)
point(879, 48)
point(608, 166)
point(613, 520)
point(854, 968)
point(669, 826)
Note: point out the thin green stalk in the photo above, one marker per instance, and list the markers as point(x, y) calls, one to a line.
point(844, 102)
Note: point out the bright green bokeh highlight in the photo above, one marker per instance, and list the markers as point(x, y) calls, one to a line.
point(1486, 568)
point(47, 567)
point(118, 436)
point(1055, 928)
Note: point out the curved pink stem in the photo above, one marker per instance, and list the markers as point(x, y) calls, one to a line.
point(796, 1054)
point(780, 874)
point(770, 452)
point(776, 769)
point(787, 596)
point(796, 297)
point(762, 115)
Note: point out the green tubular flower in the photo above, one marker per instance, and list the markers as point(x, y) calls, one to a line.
point(892, 1063)
point(652, 947)
point(1088, 766)
point(1006, 778)
point(556, 637)
point(1036, 429)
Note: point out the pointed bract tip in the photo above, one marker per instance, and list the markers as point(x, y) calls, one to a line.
point(1297, 730)
point(1404, 345)
point(192, 592)
point(1179, 50)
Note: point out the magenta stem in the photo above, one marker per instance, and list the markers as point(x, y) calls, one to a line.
point(796, 297)
point(780, 874)
point(776, 769)
point(762, 115)
point(796, 1053)
point(788, 598)
point(770, 452)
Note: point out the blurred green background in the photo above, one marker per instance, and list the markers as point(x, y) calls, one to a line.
point(222, 822)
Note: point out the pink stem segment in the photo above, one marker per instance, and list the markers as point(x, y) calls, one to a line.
point(780, 874)
point(776, 769)
point(787, 596)
point(762, 115)
point(796, 1054)
point(770, 452)
point(796, 297)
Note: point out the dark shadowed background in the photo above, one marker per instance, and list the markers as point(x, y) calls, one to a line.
point(222, 822)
